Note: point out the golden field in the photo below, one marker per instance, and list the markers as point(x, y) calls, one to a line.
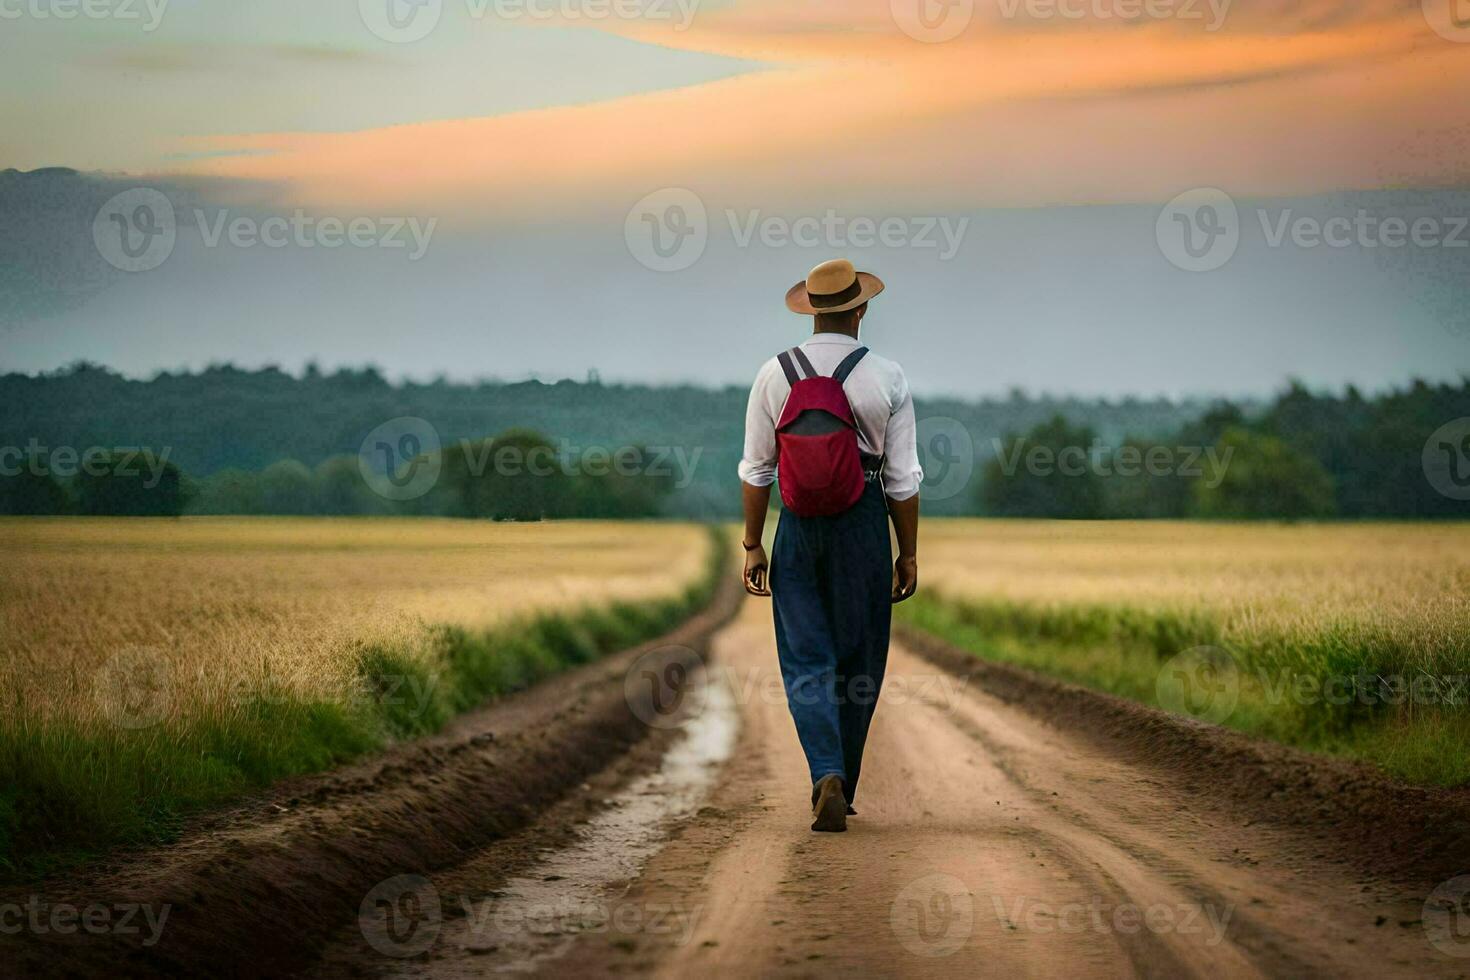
point(1257, 581)
point(154, 668)
point(287, 599)
point(1351, 639)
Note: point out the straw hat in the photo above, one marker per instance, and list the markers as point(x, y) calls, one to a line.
point(832, 287)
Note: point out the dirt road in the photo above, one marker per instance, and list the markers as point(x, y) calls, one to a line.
point(988, 842)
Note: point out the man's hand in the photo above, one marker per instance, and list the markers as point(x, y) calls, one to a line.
point(757, 572)
point(905, 577)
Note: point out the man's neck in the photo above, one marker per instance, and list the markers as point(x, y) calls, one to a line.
point(853, 332)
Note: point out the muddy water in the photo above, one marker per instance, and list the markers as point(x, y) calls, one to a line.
point(531, 920)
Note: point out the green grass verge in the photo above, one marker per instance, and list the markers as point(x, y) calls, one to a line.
point(1344, 690)
point(67, 794)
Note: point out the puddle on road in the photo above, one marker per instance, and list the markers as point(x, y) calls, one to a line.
point(533, 919)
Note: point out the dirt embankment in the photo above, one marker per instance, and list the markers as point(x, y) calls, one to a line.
point(256, 890)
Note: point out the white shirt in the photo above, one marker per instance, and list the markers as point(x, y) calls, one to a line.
point(880, 399)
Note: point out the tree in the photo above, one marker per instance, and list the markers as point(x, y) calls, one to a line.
point(1137, 489)
point(620, 484)
point(31, 493)
point(517, 476)
point(286, 488)
point(130, 484)
point(231, 491)
point(1265, 478)
point(340, 488)
point(1047, 472)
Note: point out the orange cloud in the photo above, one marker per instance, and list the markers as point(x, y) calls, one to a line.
point(854, 108)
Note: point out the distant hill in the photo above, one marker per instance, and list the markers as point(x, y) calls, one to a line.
point(46, 265)
point(225, 417)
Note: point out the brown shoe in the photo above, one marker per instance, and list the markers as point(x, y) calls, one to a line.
point(829, 811)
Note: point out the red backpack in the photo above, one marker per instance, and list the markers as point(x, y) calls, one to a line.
point(817, 458)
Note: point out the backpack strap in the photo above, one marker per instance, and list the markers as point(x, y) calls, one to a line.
point(848, 363)
point(791, 376)
point(806, 365)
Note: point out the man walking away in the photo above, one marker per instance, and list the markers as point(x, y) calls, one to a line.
point(835, 423)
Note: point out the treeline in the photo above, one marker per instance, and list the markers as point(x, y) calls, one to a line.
point(98, 483)
point(519, 475)
point(227, 418)
point(1307, 455)
point(226, 441)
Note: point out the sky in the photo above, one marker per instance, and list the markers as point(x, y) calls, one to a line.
point(631, 185)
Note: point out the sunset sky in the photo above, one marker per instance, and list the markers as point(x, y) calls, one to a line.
point(754, 96)
point(499, 122)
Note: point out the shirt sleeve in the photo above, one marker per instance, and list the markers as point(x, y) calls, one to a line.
point(758, 463)
point(901, 471)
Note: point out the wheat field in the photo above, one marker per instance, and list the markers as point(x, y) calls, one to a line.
point(218, 599)
point(1258, 581)
point(151, 668)
point(1328, 627)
